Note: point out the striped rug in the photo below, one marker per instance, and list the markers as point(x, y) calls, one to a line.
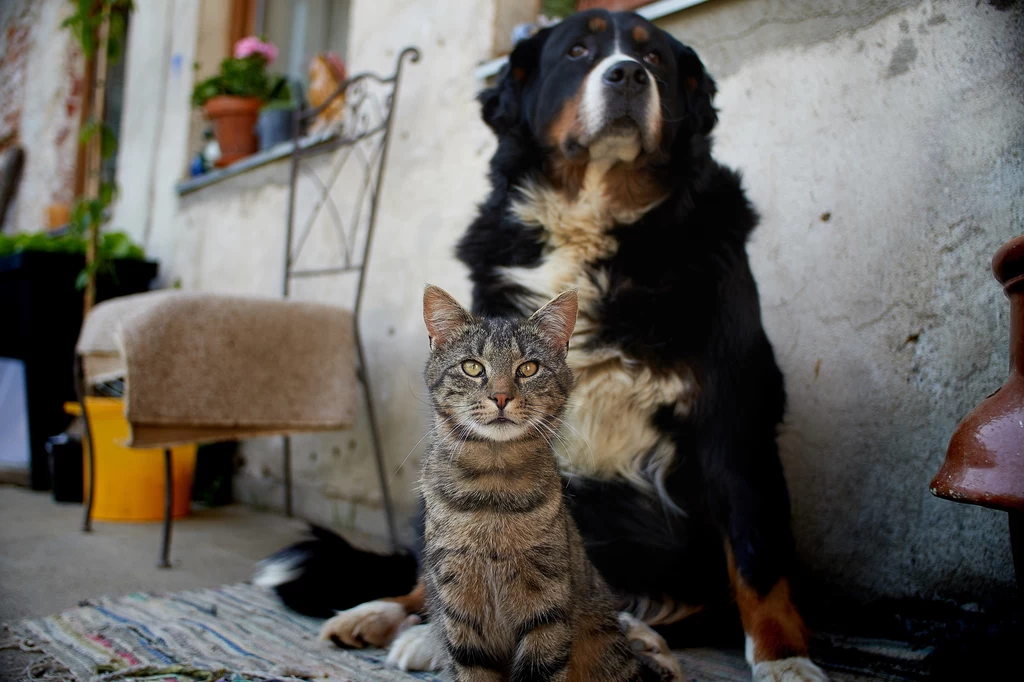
point(234, 633)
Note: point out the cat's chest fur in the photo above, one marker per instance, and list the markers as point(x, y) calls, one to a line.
point(608, 427)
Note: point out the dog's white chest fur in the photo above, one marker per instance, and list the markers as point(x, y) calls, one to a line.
point(608, 427)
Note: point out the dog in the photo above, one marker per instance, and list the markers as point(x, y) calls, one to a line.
point(603, 181)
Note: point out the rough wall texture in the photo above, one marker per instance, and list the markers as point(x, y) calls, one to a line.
point(16, 20)
point(886, 161)
point(882, 144)
point(41, 91)
point(229, 237)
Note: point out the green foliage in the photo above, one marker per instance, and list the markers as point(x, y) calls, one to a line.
point(246, 77)
point(86, 20)
point(558, 8)
point(280, 96)
point(112, 245)
point(87, 214)
point(108, 139)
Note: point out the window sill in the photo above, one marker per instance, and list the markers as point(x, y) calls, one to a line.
point(655, 10)
point(278, 151)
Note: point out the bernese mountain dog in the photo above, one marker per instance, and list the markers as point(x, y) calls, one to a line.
point(603, 181)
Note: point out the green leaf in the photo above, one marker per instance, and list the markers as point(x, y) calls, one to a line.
point(82, 279)
point(91, 127)
point(108, 142)
point(108, 192)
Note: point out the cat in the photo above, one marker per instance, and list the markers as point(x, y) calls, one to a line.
point(511, 593)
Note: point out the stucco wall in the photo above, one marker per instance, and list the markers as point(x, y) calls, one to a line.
point(229, 237)
point(882, 145)
point(41, 92)
point(886, 161)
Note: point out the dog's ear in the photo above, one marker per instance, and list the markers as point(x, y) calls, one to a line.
point(501, 105)
point(696, 87)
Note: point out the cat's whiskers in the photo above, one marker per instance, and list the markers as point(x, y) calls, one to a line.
point(430, 431)
point(567, 445)
point(590, 450)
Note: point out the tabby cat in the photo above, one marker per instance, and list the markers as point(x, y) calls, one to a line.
point(511, 592)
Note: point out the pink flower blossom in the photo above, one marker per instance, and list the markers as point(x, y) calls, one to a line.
point(247, 47)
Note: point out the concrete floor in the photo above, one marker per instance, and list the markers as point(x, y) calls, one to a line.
point(47, 564)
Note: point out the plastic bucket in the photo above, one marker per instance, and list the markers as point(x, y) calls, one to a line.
point(129, 481)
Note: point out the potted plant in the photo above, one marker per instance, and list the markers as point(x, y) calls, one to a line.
point(232, 98)
point(275, 122)
point(42, 275)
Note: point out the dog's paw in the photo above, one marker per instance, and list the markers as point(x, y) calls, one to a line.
point(797, 669)
point(651, 648)
point(417, 649)
point(374, 623)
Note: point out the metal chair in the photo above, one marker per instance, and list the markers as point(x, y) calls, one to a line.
point(361, 136)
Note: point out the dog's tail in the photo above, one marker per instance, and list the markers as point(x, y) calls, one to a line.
point(324, 574)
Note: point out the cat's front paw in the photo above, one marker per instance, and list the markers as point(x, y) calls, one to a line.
point(417, 649)
point(651, 648)
point(796, 669)
point(374, 623)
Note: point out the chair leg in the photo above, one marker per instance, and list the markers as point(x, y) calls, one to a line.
point(286, 448)
point(89, 447)
point(385, 491)
point(165, 545)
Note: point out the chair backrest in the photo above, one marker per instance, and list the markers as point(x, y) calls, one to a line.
point(336, 177)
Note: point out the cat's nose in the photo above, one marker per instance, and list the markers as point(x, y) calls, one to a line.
point(501, 399)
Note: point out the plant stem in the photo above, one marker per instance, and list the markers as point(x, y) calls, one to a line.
point(94, 154)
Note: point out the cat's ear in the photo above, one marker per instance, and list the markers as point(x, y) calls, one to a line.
point(557, 319)
point(443, 315)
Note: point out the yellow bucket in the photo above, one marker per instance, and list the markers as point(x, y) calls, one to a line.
point(129, 481)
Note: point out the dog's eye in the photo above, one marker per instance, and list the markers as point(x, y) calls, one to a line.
point(652, 58)
point(578, 50)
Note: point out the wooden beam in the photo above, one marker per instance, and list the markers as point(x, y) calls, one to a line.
point(95, 154)
point(242, 21)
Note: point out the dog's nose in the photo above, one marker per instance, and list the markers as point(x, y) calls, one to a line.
point(501, 399)
point(626, 75)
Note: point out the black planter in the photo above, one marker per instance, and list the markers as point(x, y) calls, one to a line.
point(40, 317)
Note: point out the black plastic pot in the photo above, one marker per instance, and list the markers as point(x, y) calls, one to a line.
point(274, 127)
point(40, 317)
point(66, 473)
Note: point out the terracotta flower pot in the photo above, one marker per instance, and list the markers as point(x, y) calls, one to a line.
point(234, 123)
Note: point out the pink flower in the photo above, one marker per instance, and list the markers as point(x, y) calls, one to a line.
point(246, 47)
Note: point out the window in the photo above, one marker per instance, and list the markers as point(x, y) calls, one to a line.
point(302, 29)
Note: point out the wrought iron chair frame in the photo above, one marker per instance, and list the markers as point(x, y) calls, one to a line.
point(372, 182)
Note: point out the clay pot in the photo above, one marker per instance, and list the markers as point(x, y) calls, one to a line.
point(234, 124)
point(985, 460)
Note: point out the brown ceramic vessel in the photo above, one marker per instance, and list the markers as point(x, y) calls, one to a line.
point(985, 459)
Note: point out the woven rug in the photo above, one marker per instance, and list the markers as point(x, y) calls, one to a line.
point(234, 633)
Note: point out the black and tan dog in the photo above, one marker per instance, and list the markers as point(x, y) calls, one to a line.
point(603, 182)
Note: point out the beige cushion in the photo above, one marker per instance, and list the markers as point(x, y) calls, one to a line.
point(205, 367)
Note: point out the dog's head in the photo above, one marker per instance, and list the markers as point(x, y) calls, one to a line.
point(603, 85)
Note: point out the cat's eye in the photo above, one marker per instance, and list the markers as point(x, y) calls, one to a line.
point(652, 58)
point(578, 50)
point(528, 369)
point(472, 368)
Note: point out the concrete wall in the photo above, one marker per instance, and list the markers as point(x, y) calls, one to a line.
point(882, 145)
point(229, 237)
point(41, 89)
point(884, 149)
